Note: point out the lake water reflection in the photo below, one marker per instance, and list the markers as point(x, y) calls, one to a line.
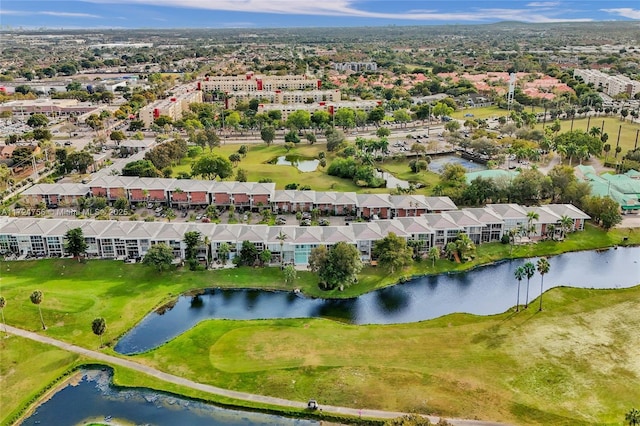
point(484, 291)
point(94, 399)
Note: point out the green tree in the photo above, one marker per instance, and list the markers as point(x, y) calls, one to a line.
point(268, 134)
point(248, 253)
point(99, 326)
point(299, 120)
point(235, 158)
point(343, 266)
point(37, 120)
point(75, 242)
point(243, 150)
point(160, 256)
point(465, 247)
point(292, 137)
point(265, 257)
point(242, 175)
point(192, 241)
point(281, 237)
point(393, 252)
point(79, 160)
point(519, 274)
point(36, 299)
point(383, 132)
point(529, 271)
point(290, 275)
point(441, 109)
point(117, 136)
point(434, 254)
point(335, 138)
point(141, 168)
point(223, 252)
point(211, 166)
point(543, 267)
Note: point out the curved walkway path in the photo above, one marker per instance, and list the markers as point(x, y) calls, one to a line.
point(170, 378)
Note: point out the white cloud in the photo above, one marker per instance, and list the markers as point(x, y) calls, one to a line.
point(625, 12)
point(347, 8)
point(543, 4)
point(48, 13)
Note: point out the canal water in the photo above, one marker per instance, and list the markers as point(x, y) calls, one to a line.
point(94, 399)
point(485, 290)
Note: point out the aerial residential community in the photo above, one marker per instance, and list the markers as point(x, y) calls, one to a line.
point(351, 213)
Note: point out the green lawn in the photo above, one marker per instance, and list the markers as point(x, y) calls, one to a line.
point(256, 163)
point(611, 126)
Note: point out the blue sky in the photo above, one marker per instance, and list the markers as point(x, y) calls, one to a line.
point(300, 13)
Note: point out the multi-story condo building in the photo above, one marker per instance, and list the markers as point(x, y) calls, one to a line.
point(612, 85)
point(251, 82)
point(172, 107)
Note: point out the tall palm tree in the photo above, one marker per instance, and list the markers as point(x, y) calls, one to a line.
point(543, 268)
point(207, 246)
point(519, 274)
point(36, 299)
point(281, 237)
point(531, 216)
point(3, 303)
point(99, 325)
point(529, 271)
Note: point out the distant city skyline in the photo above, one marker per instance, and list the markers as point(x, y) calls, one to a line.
point(71, 14)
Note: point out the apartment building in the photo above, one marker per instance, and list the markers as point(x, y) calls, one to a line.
point(172, 107)
point(283, 97)
point(355, 66)
point(612, 85)
point(251, 82)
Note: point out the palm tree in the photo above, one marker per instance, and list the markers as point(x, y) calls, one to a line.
point(36, 299)
point(529, 271)
point(99, 325)
point(531, 216)
point(3, 303)
point(281, 237)
point(434, 254)
point(543, 268)
point(633, 417)
point(513, 232)
point(519, 274)
point(223, 252)
point(207, 246)
point(566, 223)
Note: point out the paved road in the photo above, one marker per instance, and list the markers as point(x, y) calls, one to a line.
point(99, 356)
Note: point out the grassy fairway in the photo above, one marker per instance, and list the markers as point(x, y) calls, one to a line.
point(575, 363)
point(611, 126)
point(256, 163)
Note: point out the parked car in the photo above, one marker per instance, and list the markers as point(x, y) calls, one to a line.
point(281, 221)
point(324, 222)
point(305, 222)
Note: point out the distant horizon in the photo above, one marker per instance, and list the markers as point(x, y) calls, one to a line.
point(32, 15)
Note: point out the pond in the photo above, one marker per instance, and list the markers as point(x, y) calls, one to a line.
point(485, 290)
point(94, 399)
point(392, 181)
point(438, 162)
point(304, 164)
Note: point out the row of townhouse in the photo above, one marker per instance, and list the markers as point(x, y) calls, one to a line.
point(190, 193)
point(291, 244)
